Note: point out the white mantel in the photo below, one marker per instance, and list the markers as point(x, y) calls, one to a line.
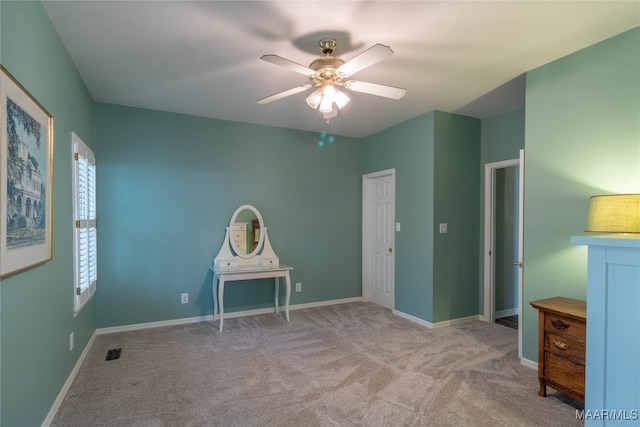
point(612, 395)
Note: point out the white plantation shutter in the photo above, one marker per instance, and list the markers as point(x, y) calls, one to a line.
point(85, 231)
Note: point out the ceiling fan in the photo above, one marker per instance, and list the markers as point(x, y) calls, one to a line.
point(328, 72)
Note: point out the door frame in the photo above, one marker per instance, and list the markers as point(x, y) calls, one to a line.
point(367, 180)
point(489, 239)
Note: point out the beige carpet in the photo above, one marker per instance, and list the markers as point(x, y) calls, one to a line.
point(342, 365)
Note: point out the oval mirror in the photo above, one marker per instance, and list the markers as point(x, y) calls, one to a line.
point(245, 231)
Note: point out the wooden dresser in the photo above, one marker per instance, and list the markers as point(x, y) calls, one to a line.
point(562, 326)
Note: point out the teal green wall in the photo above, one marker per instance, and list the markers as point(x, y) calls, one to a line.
point(502, 137)
point(457, 203)
point(409, 148)
point(167, 187)
point(436, 158)
point(582, 138)
point(37, 304)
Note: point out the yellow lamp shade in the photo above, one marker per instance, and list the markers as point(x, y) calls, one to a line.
point(614, 213)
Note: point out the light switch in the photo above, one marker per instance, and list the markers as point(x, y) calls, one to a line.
point(443, 227)
point(397, 226)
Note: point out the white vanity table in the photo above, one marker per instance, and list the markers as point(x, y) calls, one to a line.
point(224, 275)
point(261, 263)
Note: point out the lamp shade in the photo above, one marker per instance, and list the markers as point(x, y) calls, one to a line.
point(614, 213)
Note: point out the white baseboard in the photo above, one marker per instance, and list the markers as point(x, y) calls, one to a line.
point(67, 384)
point(412, 318)
point(209, 318)
point(529, 363)
point(453, 322)
point(325, 303)
point(457, 322)
point(149, 325)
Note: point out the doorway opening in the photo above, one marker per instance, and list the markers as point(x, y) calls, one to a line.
point(503, 243)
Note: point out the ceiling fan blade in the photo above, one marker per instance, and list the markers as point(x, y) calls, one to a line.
point(283, 94)
point(293, 66)
point(375, 89)
point(375, 53)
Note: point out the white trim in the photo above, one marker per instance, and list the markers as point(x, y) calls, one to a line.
point(209, 318)
point(489, 194)
point(457, 322)
point(67, 384)
point(521, 249)
point(528, 363)
point(323, 303)
point(489, 234)
point(172, 322)
point(443, 324)
point(413, 318)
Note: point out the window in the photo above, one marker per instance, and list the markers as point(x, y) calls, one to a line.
point(84, 232)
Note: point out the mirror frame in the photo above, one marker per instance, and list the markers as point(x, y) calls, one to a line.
point(262, 227)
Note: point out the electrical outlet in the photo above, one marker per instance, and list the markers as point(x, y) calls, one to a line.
point(71, 341)
point(443, 227)
point(298, 287)
point(184, 299)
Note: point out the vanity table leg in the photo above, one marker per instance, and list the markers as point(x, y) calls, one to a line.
point(221, 300)
point(277, 281)
point(214, 291)
point(288, 280)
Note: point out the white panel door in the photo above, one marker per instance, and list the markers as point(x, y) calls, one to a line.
point(382, 240)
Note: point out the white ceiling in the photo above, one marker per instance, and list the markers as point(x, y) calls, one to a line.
point(203, 57)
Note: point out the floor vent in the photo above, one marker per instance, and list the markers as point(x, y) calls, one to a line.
point(113, 354)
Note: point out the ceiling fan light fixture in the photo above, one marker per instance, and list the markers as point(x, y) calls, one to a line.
point(341, 99)
point(326, 105)
point(329, 91)
point(328, 72)
point(314, 99)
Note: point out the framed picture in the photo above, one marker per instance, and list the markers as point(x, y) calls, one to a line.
point(26, 176)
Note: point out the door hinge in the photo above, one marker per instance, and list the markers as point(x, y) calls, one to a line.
point(78, 291)
point(77, 223)
point(76, 156)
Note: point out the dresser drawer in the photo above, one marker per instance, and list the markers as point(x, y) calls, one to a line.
point(564, 372)
point(562, 327)
point(565, 325)
point(565, 346)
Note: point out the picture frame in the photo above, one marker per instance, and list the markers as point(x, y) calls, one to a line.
point(26, 178)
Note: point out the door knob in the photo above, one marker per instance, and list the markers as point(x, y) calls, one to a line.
point(517, 264)
point(390, 250)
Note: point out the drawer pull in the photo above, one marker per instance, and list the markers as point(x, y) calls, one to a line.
point(560, 345)
point(559, 324)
